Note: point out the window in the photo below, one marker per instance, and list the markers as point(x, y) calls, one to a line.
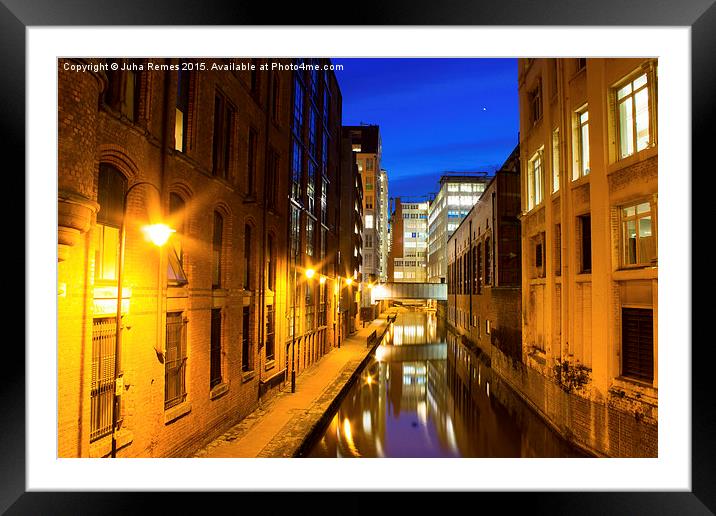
point(633, 116)
point(311, 185)
point(217, 244)
point(102, 386)
point(309, 236)
point(555, 160)
point(369, 202)
point(324, 201)
point(271, 264)
point(297, 107)
point(638, 235)
point(246, 339)
point(272, 170)
point(369, 164)
point(535, 103)
point(369, 222)
point(585, 229)
point(223, 136)
point(215, 350)
point(309, 307)
point(122, 93)
point(181, 111)
point(535, 181)
point(175, 360)
point(478, 268)
point(487, 262)
point(539, 259)
point(251, 163)
point(175, 263)
point(638, 343)
point(270, 332)
point(582, 147)
point(247, 257)
point(557, 249)
point(111, 188)
point(295, 230)
point(276, 99)
point(296, 165)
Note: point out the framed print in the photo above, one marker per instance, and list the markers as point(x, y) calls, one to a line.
point(427, 240)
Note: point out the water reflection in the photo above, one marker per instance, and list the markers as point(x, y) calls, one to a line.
point(408, 403)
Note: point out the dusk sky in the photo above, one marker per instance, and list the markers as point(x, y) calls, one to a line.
point(435, 115)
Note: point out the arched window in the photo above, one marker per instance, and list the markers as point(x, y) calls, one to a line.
point(110, 195)
point(175, 263)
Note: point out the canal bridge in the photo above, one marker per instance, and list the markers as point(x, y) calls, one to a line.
point(400, 290)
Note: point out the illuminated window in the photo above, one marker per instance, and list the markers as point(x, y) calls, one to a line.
point(181, 111)
point(535, 180)
point(369, 221)
point(581, 168)
point(309, 236)
point(633, 116)
point(175, 360)
point(111, 188)
point(555, 160)
point(638, 235)
point(270, 332)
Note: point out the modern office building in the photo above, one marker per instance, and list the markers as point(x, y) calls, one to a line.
point(244, 167)
point(589, 151)
point(457, 195)
point(409, 246)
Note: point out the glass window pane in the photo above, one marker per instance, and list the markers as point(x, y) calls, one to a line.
point(639, 82)
point(645, 227)
point(642, 208)
point(110, 244)
point(585, 150)
point(630, 242)
point(629, 211)
point(584, 117)
point(642, 119)
point(626, 128)
point(623, 92)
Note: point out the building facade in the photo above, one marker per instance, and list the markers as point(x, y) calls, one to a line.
point(409, 229)
point(589, 148)
point(350, 256)
point(457, 195)
point(483, 267)
point(204, 320)
point(366, 144)
point(383, 224)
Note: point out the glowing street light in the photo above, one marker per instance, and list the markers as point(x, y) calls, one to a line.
point(158, 234)
point(309, 273)
point(322, 280)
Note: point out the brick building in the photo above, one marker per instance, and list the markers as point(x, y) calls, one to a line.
point(483, 266)
point(205, 329)
point(588, 138)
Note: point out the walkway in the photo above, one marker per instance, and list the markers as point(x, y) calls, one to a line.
point(279, 427)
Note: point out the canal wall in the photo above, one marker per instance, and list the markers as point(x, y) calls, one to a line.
point(613, 427)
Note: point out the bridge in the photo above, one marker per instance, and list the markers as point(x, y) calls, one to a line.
point(437, 291)
point(411, 352)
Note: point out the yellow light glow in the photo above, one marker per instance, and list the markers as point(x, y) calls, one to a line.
point(349, 281)
point(370, 286)
point(322, 280)
point(310, 273)
point(369, 379)
point(158, 233)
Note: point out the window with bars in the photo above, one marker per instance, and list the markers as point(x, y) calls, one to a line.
point(215, 351)
point(102, 386)
point(175, 360)
point(638, 343)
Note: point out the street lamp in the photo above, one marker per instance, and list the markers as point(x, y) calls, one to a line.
point(158, 234)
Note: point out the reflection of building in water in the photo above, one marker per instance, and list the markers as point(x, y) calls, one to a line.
point(417, 328)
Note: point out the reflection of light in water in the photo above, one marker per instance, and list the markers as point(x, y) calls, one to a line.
point(380, 353)
point(368, 379)
point(488, 388)
point(349, 437)
point(451, 435)
point(367, 422)
point(379, 448)
point(423, 412)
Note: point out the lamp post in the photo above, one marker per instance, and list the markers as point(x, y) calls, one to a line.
point(158, 234)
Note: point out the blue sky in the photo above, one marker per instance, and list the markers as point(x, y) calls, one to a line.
point(435, 115)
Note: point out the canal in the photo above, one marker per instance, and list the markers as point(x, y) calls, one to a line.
point(424, 394)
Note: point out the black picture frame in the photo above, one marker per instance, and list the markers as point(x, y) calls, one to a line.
point(699, 15)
